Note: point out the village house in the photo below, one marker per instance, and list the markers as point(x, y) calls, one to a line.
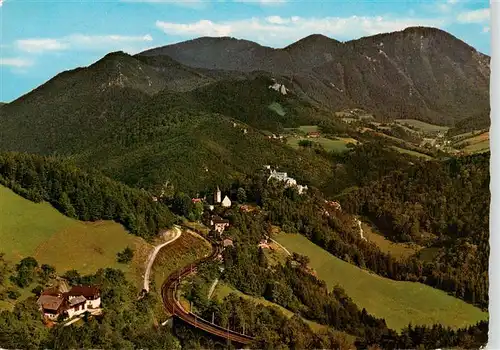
point(54, 303)
point(218, 224)
point(196, 200)
point(313, 134)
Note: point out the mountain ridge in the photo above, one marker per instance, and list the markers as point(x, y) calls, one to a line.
point(419, 72)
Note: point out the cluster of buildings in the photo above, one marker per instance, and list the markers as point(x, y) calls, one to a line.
point(279, 87)
point(61, 302)
point(283, 177)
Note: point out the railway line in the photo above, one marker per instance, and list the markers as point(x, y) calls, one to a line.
point(173, 306)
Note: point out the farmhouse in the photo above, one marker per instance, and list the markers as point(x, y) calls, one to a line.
point(313, 134)
point(218, 224)
point(53, 303)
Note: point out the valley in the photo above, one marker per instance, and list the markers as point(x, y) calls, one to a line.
point(339, 189)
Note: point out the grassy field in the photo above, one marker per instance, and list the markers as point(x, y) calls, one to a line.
point(222, 290)
point(197, 226)
point(428, 254)
point(399, 303)
point(412, 153)
point(466, 135)
point(329, 145)
point(308, 128)
point(39, 230)
point(425, 127)
point(398, 250)
point(275, 255)
point(475, 144)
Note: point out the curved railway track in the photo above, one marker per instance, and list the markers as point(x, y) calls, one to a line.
point(173, 306)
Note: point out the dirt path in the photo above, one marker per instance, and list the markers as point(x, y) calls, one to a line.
point(172, 236)
point(212, 288)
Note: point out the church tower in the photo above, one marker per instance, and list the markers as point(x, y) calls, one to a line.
point(218, 196)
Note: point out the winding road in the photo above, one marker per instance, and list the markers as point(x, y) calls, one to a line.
point(173, 306)
point(173, 235)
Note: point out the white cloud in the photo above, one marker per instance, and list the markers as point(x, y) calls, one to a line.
point(486, 29)
point(263, 2)
point(1, 3)
point(79, 42)
point(474, 16)
point(40, 45)
point(203, 27)
point(194, 4)
point(278, 20)
point(15, 62)
point(285, 30)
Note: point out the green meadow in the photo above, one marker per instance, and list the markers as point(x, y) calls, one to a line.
point(399, 303)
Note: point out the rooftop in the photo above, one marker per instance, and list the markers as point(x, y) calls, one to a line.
point(86, 291)
point(50, 302)
point(78, 300)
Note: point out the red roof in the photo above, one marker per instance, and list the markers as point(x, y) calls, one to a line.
point(86, 291)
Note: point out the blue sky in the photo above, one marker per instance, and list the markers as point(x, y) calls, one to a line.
point(39, 39)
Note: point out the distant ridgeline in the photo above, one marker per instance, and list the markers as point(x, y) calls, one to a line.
point(81, 195)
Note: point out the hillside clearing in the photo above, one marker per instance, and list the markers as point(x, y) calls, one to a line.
point(308, 128)
point(278, 108)
point(425, 127)
point(412, 153)
point(39, 230)
point(475, 144)
point(399, 250)
point(399, 303)
point(329, 145)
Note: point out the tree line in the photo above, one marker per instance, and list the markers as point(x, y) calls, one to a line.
point(86, 196)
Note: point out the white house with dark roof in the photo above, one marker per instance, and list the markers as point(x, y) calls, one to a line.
point(79, 299)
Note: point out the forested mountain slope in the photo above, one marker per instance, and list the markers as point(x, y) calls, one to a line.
point(422, 73)
point(444, 205)
point(82, 195)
